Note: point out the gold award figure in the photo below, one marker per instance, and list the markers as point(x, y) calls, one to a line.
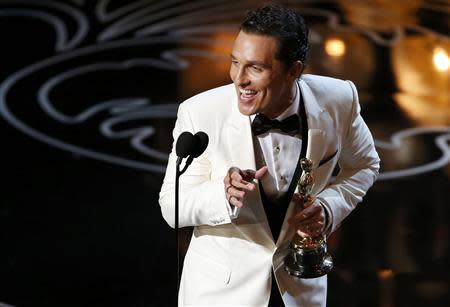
point(307, 257)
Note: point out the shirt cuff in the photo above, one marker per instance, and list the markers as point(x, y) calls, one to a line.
point(233, 211)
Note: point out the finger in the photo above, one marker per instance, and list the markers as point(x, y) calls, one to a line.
point(261, 172)
point(235, 202)
point(310, 222)
point(248, 175)
point(226, 180)
point(243, 185)
point(233, 169)
point(227, 187)
point(302, 234)
point(317, 216)
point(310, 216)
point(310, 229)
point(300, 218)
point(236, 193)
point(309, 212)
point(319, 228)
point(294, 220)
point(236, 175)
point(312, 209)
point(315, 225)
point(316, 231)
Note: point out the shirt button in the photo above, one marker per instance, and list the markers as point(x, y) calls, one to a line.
point(282, 179)
point(277, 149)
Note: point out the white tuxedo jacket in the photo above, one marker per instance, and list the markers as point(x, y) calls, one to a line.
point(230, 261)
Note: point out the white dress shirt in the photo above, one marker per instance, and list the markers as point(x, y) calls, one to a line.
point(280, 152)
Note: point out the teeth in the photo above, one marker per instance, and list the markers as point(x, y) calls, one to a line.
point(247, 92)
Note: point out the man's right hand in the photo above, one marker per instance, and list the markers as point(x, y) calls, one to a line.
point(237, 182)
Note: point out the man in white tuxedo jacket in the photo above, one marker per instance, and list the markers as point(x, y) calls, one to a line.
point(235, 253)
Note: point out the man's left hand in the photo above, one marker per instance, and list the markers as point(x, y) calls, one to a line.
point(309, 222)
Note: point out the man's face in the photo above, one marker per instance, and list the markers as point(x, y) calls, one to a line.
point(263, 84)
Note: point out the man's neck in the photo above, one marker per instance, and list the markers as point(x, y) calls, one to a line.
point(290, 102)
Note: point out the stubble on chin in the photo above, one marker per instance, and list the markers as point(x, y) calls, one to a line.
point(245, 110)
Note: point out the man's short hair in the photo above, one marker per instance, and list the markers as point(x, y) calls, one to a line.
point(286, 25)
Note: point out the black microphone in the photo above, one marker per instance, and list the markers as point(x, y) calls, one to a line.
point(201, 142)
point(186, 145)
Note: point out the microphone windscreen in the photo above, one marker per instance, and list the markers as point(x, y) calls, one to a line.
point(202, 142)
point(186, 144)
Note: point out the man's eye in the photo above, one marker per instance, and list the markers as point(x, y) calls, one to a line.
point(256, 68)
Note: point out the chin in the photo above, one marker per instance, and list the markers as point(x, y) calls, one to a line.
point(245, 110)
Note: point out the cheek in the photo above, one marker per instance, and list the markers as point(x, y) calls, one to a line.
point(265, 83)
point(276, 89)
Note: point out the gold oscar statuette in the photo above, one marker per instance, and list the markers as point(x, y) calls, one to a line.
point(307, 257)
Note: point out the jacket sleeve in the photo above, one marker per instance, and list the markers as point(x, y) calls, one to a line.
point(201, 200)
point(359, 165)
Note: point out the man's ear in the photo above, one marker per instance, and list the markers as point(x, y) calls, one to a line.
point(296, 69)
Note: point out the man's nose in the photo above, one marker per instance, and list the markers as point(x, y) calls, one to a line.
point(241, 77)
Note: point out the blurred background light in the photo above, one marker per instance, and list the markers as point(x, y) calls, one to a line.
point(440, 59)
point(335, 47)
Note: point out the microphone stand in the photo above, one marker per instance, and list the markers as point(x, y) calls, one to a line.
point(178, 173)
point(190, 146)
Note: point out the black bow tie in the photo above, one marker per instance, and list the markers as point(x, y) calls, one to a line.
point(262, 124)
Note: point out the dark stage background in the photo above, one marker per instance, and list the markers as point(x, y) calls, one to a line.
point(88, 98)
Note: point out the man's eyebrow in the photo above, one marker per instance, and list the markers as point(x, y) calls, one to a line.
point(258, 63)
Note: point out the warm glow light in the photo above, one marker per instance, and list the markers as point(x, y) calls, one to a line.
point(385, 274)
point(423, 91)
point(335, 47)
point(440, 59)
